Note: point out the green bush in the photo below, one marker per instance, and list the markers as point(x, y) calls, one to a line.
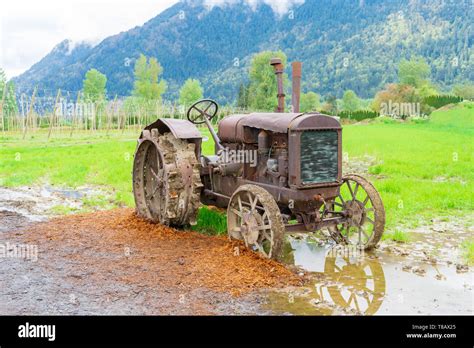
point(358, 115)
point(438, 101)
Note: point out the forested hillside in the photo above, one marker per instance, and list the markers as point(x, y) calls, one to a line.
point(343, 44)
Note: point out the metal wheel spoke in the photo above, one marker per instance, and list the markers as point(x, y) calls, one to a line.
point(365, 201)
point(356, 189)
point(349, 300)
point(236, 212)
point(366, 289)
point(350, 189)
point(370, 220)
point(264, 227)
point(253, 204)
point(342, 199)
point(267, 236)
point(153, 193)
point(365, 234)
point(249, 196)
point(156, 175)
point(356, 303)
point(240, 204)
point(260, 248)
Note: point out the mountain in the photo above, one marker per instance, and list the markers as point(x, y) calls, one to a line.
point(343, 44)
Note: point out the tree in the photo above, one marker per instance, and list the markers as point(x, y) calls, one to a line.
point(10, 106)
point(400, 100)
point(465, 91)
point(243, 96)
point(190, 92)
point(350, 101)
point(148, 85)
point(414, 72)
point(330, 105)
point(309, 102)
point(427, 89)
point(263, 85)
point(94, 86)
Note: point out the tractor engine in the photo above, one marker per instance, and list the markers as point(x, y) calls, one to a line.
point(294, 156)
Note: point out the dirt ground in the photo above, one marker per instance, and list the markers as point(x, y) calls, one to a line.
point(112, 262)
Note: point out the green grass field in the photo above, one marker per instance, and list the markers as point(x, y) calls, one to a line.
point(423, 169)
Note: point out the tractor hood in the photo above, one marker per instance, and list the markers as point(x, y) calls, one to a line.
point(231, 128)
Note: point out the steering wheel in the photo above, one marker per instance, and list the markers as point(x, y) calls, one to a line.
point(202, 109)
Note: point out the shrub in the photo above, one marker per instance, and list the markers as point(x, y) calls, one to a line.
point(438, 101)
point(358, 115)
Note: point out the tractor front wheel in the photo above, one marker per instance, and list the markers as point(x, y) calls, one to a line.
point(253, 216)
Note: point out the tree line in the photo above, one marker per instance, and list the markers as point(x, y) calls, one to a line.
point(413, 91)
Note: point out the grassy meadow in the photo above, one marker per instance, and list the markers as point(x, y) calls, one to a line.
point(423, 168)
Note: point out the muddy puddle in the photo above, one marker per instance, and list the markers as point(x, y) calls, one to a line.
point(346, 282)
point(35, 204)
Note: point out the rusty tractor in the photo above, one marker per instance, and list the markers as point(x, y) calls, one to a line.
point(274, 172)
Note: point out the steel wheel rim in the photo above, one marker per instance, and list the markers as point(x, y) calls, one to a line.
point(246, 206)
point(353, 195)
point(153, 181)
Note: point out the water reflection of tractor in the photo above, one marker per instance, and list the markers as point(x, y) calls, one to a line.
point(353, 284)
point(295, 185)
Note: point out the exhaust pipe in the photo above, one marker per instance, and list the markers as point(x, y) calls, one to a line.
point(296, 88)
point(278, 66)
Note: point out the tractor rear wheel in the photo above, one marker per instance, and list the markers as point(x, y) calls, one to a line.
point(166, 180)
point(253, 216)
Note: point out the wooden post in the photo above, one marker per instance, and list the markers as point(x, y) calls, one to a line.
point(110, 116)
point(5, 91)
point(74, 115)
point(30, 113)
point(51, 118)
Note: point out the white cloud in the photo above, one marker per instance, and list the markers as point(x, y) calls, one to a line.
point(29, 29)
point(279, 6)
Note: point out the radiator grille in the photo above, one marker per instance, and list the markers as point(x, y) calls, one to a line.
point(319, 157)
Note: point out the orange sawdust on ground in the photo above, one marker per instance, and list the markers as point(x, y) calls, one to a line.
point(117, 244)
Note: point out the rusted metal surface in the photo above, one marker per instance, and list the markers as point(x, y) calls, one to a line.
point(166, 180)
point(279, 68)
point(181, 129)
point(275, 122)
point(297, 170)
point(228, 128)
point(314, 121)
point(296, 84)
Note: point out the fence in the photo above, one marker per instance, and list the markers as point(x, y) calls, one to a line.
point(69, 112)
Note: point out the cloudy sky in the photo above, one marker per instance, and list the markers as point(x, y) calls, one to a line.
point(29, 29)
